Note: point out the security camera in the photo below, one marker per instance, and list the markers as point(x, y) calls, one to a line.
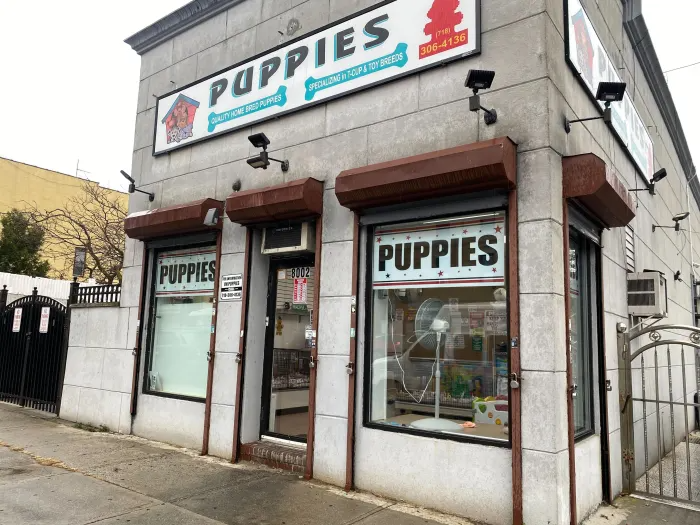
point(212, 218)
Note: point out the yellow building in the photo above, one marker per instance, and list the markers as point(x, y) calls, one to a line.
point(23, 185)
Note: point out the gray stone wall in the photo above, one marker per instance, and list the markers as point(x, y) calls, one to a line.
point(534, 89)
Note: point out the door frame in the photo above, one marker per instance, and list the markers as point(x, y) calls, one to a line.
point(277, 263)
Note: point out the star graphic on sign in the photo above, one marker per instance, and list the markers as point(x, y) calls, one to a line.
point(440, 274)
point(408, 237)
point(494, 270)
point(465, 231)
point(498, 229)
point(387, 276)
point(379, 239)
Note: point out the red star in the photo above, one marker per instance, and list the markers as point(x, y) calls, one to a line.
point(498, 229)
point(408, 237)
point(440, 274)
point(494, 270)
point(379, 239)
point(464, 232)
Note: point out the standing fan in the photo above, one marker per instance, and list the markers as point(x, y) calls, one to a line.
point(432, 324)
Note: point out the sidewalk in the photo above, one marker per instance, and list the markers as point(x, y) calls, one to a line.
point(53, 473)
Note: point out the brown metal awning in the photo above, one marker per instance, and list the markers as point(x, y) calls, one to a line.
point(588, 179)
point(298, 199)
point(173, 220)
point(475, 167)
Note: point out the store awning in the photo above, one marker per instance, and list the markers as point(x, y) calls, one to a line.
point(589, 180)
point(298, 199)
point(173, 220)
point(475, 167)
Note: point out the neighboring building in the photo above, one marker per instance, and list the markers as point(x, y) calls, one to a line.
point(23, 185)
point(404, 230)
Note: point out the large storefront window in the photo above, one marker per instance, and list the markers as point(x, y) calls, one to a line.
point(181, 322)
point(439, 326)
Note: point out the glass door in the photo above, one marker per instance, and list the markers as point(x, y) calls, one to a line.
point(287, 371)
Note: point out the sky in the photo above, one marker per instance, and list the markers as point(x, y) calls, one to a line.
point(69, 83)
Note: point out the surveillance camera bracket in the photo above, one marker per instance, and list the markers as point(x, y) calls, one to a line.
point(133, 189)
point(490, 115)
point(607, 118)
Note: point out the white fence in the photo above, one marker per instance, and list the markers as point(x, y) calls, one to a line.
point(22, 285)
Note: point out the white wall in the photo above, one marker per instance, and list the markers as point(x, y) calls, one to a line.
point(99, 368)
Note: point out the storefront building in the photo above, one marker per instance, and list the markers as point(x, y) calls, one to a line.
point(419, 294)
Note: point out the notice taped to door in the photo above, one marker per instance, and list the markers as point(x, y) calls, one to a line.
point(232, 287)
point(300, 290)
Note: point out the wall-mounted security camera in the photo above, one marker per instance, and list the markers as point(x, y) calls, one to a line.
point(212, 218)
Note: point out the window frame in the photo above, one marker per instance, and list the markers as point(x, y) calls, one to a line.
point(368, 305)
point(154, 250)
point(588, 249)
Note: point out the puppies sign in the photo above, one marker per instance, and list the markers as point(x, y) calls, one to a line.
point(467, 251)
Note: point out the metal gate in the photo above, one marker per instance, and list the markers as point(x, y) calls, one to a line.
point(33, 344)
point(659, 378)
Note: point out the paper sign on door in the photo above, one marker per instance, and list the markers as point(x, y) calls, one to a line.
point(300, 288)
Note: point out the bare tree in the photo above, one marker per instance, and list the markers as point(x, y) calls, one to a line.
point(94, 220)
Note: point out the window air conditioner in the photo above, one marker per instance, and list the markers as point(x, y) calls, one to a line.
point(647, 294)
point(289, 239)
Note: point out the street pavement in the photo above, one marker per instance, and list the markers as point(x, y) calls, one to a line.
point(53, 473)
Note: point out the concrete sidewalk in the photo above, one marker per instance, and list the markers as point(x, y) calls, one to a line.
point(53, 473)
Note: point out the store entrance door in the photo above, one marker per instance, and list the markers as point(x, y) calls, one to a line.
point(288, 345)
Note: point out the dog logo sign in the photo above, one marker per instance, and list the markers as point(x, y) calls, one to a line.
point(180, 118)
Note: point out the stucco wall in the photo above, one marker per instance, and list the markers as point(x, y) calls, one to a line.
point(534, 89)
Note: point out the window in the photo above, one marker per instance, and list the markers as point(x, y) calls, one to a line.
point(181, 318)
point(582, 286)
point(438, 328)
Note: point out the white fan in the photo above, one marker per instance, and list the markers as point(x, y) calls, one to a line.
point(432, 324)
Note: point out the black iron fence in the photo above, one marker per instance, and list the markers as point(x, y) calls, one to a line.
point(33, 346)
point(101, 294)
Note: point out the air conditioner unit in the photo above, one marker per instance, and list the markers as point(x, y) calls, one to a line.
point(647, 295)
point(299, 237)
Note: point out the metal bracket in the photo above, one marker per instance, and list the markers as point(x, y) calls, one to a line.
point(624, 405)
point(514, 342)
point(238, 358)
point(312, 362)
point(608, 385)
point(350, 368)
point(210, 355)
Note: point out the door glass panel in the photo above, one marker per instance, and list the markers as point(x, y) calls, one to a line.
point(291, 354)
point(579, 325)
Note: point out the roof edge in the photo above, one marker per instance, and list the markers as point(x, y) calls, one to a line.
point(638, 32)
point(177, 22)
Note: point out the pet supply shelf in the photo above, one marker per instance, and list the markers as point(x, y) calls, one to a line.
point(425, 408)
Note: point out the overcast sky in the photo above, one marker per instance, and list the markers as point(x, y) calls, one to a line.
point(69, 83)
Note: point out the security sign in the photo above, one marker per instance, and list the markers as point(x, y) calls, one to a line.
point(17, 321)
point(232, 287)
point(465, 251)
point(44, 322)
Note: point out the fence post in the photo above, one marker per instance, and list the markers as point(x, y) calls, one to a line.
point(3, 297)
point(73, 296)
